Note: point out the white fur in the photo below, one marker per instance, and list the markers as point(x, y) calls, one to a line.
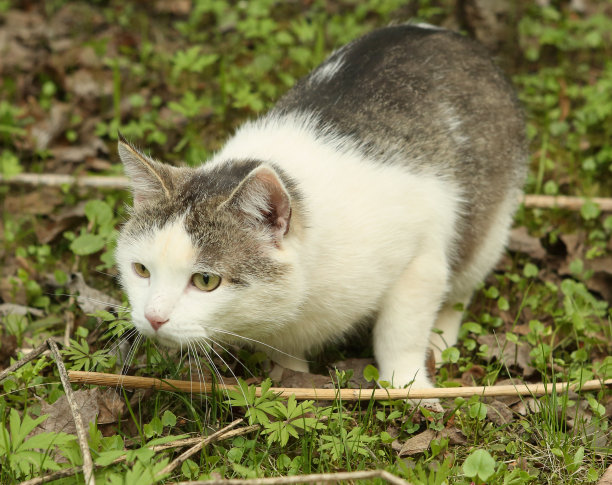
point(357, 255)
point(373, 239)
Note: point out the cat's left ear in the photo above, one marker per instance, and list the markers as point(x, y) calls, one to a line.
point(149, 179)
point(263, 198)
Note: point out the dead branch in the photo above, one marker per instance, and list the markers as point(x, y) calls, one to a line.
point(88, 473)
point(70, 472)
point(21, 362)
point(134, 382)
point(531, 201)
point(197, 447)
point(312, 478)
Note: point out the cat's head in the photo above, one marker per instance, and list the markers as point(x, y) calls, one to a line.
point(209, 251)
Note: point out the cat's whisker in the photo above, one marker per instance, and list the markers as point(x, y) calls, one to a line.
point(201, 377)
point(203, 346)
point(232, 355)
point(219, 330)
point(115, 347)
point(211, 347)
point(95, 300)
point(213, 366)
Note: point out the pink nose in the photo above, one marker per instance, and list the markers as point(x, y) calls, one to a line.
point(156, 321)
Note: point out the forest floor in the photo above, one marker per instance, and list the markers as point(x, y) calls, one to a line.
point(177, 77)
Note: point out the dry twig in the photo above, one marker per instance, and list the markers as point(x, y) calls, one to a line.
point(21, 362)
point(194, 449)
point(78, 422)
point(69, 472)
point(312, 478)
point(134, 382)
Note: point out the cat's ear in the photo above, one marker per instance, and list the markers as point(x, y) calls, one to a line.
point(263, 198)
point(149, 179)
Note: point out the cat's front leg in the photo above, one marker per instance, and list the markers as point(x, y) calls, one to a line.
point(406, 318)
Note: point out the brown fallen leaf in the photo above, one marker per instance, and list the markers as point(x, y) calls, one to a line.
point(60, 416)
point(111, 407)
point(66, 218)
point(507, 352)
point(498, 412)
point(291, 378)
point(606, 478)
point(357, 366)
point(472, 376)
point(47, 130)
point(41, 201)
point(89, 299)
point(421, 442)
point(8, 346)
point(521, 242)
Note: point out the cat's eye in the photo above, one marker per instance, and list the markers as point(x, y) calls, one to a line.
point(141, 270)
point(206, 281)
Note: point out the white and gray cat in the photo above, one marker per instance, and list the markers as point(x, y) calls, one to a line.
point(381, 186)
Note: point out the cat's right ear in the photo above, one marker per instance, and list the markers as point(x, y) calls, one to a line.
point(149, 180)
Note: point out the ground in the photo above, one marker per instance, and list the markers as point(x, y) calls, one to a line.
point(177, 77)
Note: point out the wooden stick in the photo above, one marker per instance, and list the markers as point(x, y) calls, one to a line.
point(532, 201)
point(134, 382)
point(312, 478)
point(88, 473)
point(56, 180)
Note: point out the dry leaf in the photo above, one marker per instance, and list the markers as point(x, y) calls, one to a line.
point(521, 242)
point(527, 406)
point(357, 366)
point(499, 412)
point(111, 407)
point(41, 201)
point(89, 299)
point(60, 416)
point(8, 346)
point(15, 309)
point(421, 442)
point(291, 378)
point(606, 478)
point(509, 353)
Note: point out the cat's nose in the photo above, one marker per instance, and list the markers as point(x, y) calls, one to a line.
point(155, 320)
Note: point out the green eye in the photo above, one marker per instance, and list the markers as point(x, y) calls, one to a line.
point(206, 281)
point(141, 270)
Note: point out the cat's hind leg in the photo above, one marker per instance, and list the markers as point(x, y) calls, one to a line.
point(402, 330)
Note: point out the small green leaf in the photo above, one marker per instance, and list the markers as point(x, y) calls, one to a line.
point(503, 304)
point(370, 373)
point(589, 210)
point(480, 463)
point(98, 212)
point(87, 244)
point(530, 270)
point(451, 354)
point(168, 419)
point(478, 411)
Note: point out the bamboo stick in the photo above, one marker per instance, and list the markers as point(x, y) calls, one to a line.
point(531, 201)
point(134, 382)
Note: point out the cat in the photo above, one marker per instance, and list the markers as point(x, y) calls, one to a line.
point(382, 186)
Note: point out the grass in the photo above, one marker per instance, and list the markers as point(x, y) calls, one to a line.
point(179, 83)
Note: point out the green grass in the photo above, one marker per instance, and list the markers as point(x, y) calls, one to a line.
point(178, 85)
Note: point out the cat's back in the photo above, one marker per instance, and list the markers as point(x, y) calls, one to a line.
point(422, 96)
